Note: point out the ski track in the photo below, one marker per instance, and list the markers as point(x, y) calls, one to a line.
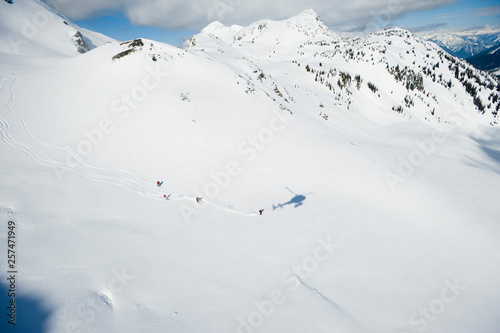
point(140, 187)
point(50, 145)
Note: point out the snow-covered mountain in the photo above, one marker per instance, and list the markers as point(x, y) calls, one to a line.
point(464, 43)
point(31, 28)
point(419, 71)
point(374, 162)
point(488, 60)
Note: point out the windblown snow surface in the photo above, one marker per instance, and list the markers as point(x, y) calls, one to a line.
point(373, 220)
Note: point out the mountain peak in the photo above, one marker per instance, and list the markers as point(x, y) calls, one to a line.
point(307, 23)
point(308, 13)
point(212, 27)
point(307, 17)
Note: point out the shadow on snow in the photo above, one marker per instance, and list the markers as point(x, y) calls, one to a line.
point(296, 201)
point(491, 148)
point(31, 313)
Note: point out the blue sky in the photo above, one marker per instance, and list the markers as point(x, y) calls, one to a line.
point(173, 23)
point(118, 26)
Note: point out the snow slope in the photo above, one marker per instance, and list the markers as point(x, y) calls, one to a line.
point(30, 28)
point(374, 220)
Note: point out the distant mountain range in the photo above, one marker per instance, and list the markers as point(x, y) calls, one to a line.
point(488, 60)
point(464, 43)
point(480, 47)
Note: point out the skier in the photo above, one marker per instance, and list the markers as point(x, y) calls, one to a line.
point(198, 199)
point(261, 211)
point(158, 184)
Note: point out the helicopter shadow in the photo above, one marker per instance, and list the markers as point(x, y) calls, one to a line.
point(296, 201)
point(31, 313)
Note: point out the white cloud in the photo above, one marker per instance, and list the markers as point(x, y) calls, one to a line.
point(428, 32)
point(76, 10)
point(196, 14)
